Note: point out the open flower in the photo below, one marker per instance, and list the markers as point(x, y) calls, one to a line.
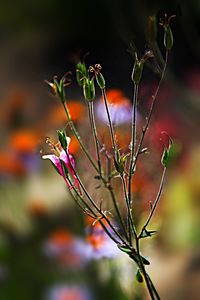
point(64, 163)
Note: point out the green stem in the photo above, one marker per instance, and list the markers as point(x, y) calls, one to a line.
point(109, 120)
point(149, 284)
point(94, 130)
point(133, 140)
point(155, 203)
point(130, 223)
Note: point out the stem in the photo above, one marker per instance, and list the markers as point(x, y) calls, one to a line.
point(114, 201)
point(155, 204)
point(74, 130)
point(109, 120)
point(133, 140)
point(94, 130)
point(144, 130)
point(130, 223)
point(149, 284)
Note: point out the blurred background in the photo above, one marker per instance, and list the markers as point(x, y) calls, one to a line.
point(44, 239)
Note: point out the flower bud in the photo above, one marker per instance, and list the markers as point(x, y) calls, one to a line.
point(168, 37)
point(81, 73)
point(62, 138)
point(120, 162)
point(89, 89)
point(100, 80)
point(137, 71)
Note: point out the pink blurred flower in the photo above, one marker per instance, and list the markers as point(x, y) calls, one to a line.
point(64, 163)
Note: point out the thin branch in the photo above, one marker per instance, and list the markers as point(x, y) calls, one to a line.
point(94, 130)
point(155, 203)
point(110, 122)
point(144, 130)
point(133, 140)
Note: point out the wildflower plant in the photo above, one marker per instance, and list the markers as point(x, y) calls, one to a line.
point(110, 164)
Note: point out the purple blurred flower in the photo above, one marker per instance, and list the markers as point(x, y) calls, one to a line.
point(98, 243)
point(119, 106)
point(68, 292)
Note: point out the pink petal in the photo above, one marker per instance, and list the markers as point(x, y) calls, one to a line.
point(55, 160)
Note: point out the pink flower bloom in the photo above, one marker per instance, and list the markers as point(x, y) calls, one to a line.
point(64, 163)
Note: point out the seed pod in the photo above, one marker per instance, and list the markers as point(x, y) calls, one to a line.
point(89, 89)
point(100, 80)
point(168, 37)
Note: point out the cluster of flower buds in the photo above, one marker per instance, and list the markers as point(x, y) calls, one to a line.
point(85, 79)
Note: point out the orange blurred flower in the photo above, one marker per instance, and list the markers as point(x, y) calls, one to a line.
point(115, 96)
point(24, 141)
point(74, 145)
point(58, 116)
point(61, 237)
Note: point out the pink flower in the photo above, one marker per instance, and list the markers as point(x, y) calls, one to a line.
point(64, 163)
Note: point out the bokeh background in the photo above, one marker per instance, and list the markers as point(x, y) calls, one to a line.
point(40, 227)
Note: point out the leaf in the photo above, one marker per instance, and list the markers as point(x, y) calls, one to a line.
point(145, 261)
point(124, 248)
point(148, 233)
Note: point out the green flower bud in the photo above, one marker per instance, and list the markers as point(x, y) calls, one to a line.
point(62, 138)
point(168, 153)
point(137, 71)
point(81, 73)
point(168, 37)
point(89, 89)
point(100, 80)
point(120, 162)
